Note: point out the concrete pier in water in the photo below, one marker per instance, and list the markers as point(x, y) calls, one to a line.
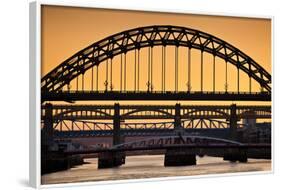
point(179, 157)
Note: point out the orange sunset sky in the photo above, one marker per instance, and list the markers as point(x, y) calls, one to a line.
point(66, 30)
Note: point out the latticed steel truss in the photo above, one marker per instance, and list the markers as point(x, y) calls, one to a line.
point(81, 125)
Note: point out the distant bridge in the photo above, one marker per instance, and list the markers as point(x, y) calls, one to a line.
point(81, 128)
point(180, 150)
point(104, 112)
point(191, 142)
point(80, 120)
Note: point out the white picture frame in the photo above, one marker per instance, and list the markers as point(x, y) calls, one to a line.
point(35, 86)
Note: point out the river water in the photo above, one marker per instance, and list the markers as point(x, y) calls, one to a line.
point(138, 167)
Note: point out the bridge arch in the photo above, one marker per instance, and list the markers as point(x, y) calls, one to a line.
point(177, 140)
point(150, 36)
point(62, 115)
point(155, 110)
point(213, 112)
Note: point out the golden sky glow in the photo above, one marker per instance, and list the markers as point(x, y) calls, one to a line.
point(66, 30)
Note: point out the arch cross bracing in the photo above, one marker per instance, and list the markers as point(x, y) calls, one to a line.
point(150, 36)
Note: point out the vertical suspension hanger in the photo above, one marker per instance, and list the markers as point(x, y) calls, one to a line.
point(151, 69)
point(92, 79)
point(202, 71)
point(148, 71)
point(106, 76)
point(226, 82)
point(238, 82)
point(250, 80)
point(111, 84)
point(121, 74)
point(125, 71)
point(162, 73)
point(97, 79)
point(82, 75)
point(177, 66)
point(175, 73)
point(214, 73)
point(138, 69)
point(164, 68)
point(189, 70)
point(135, 72)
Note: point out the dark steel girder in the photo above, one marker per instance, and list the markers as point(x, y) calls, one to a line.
point(105, 112)
point(163, 147)
point(144, 95)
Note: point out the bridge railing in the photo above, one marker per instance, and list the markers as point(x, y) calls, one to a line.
point(156, 92)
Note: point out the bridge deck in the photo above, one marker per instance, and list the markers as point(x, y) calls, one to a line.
point(154, 95)
point(157, 147)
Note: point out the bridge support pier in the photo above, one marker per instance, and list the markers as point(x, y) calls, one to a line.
point(48, 124)
point(179, 157)
point(178, 129)
point(116, 125)
point(233, 123)
point(111, 159)
point(234, 155)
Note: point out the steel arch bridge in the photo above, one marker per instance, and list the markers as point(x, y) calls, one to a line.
point(124, 63)
point(56, 84)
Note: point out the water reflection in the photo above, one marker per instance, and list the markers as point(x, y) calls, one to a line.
point(137, 167)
